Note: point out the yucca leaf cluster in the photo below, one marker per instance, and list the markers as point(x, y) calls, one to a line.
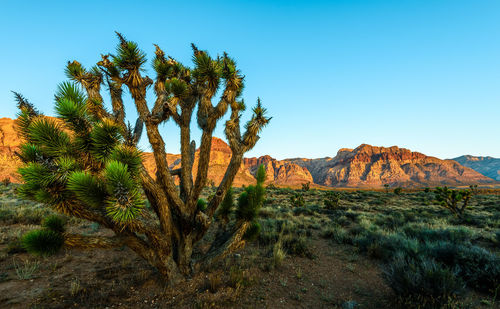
point(251, 199)
point(78, 158)
point(46, 241)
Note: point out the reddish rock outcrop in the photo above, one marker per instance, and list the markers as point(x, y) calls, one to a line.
point(369, 166)
point(365, 166)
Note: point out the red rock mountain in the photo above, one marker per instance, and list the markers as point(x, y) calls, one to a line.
point(365, 166)
point(369, 166)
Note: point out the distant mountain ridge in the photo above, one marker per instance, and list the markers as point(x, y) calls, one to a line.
point(488, 166)
point(371, 166)
point(365, 166)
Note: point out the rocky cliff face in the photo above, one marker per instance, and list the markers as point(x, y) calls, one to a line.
point(488, 166)
point(9, 143)
point(365, 166)
point(369, 166)
point(279, 172)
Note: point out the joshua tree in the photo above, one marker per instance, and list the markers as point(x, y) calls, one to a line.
point(87, 164)
point(451, 199)
point(306, 186)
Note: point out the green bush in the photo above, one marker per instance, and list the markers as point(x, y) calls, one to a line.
point(335, 233)
point(252, 198)
point(426, 234)
point(398, 191)
point(54, 223)
point(297, 200)
point(332, 200)
point(252, 232)
point(479, 268)
point(297, 246)
point(42, 242)
point(421, 282)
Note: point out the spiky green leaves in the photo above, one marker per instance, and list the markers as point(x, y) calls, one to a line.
point(251, 200)
point(74, 70)
point(49, 136)
point(261, 174)
point(72, 92)
point(42, 242)
point(178, 88)
point(88, 188)
point(124, 202)
point(105, 136)
point(129, 56)
point(54, 223)
point(30, 153)
point(207, 72)
point(37, 174)
point(74, 115)
point(255, 125)
point(129, 156)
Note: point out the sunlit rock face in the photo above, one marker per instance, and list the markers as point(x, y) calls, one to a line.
point(365, 166)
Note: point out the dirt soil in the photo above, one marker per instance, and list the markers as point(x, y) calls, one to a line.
point(117, 278)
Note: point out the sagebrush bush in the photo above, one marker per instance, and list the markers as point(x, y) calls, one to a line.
point(336, 233)
point(42, 242)
point(426, 234)
point(421, 282)
point(54, 223)
point(479, 268)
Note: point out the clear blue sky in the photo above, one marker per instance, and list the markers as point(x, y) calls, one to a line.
point(424, 75)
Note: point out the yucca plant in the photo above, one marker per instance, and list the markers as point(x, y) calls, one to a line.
point(86, 163)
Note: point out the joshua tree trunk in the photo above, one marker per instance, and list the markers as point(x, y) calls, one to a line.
point(96, 173)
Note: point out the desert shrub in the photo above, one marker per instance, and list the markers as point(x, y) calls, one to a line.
point(479, 268)
point(384, 247)
point(42, 242)
point(297, 245)
point(425, 234)
point(279, 254)
point(421, 282)
point(297, 200)
point(332, 200)
point(269, 231)
point(335, 233)
point(393, 221)
point(398, 191)
point(54, 223)
point(297, 211)
point(378, 202)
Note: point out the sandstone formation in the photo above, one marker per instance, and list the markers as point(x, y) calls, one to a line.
point(369, 166)
point(365, 166)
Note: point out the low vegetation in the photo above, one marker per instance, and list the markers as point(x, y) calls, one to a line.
point(400, 250)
